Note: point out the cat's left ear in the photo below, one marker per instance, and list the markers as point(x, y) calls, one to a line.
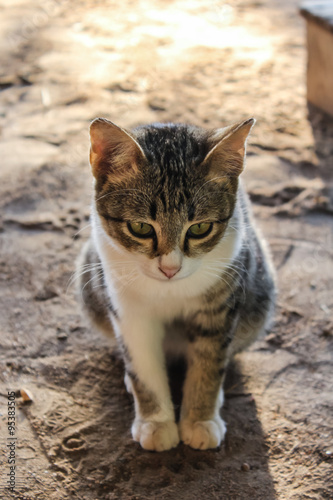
point(114, 151)
point(228, 147)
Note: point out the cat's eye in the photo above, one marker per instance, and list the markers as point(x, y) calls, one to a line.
point(140, 229)
point(200, 230)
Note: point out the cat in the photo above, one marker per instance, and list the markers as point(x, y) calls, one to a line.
point(174, 267)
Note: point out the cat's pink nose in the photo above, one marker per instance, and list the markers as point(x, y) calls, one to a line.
point(169, 272)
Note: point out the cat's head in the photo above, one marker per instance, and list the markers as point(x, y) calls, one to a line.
point(166, 192)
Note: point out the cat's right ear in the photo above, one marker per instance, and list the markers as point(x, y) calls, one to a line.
point(228, 147)
point(113, 150)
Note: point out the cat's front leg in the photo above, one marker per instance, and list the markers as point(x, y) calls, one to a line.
point(200, 425)
point(146, 379)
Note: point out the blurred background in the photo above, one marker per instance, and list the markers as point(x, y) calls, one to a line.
point(209, 63)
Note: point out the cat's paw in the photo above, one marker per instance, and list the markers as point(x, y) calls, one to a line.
point(203, 434)
point(155, 436)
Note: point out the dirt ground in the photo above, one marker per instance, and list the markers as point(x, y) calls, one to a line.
point(209, 63)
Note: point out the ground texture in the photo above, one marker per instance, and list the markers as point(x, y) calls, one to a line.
point(209, 63)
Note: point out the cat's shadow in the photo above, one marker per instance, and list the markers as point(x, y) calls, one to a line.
point(239, 467)
point(110, 465)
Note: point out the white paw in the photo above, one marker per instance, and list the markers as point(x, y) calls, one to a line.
point(204, 434)
point(155, 436)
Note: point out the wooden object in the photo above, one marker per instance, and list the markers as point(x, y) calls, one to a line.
point(319, 20)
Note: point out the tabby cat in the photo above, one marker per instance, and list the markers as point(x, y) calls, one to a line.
point(174, 267)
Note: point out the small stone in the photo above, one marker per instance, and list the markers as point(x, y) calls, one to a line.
point(245, 467)
point(62, 336)
point(328, 330)
point(157, 104)
point(46, 293)
point(26, 395)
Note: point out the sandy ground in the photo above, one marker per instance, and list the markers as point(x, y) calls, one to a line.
point(208, 63)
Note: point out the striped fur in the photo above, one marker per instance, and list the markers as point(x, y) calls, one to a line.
point(222, 292)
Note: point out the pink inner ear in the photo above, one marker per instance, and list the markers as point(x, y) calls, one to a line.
point(236, 141)
point(98, 142)
point(239, 148)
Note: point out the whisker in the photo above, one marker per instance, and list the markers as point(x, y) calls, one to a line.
point(82, 229)
point(99, 276)
point(81, 271)
point(219, 278)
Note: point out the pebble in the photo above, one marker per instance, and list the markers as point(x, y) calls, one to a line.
point(62, 336)
point(26, 395)
point(245, 467)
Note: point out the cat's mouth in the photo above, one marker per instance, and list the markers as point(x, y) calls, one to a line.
point(171, 280)
point(165, 279)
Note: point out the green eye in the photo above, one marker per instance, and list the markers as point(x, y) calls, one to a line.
point(140, 229)
point(200, 230)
